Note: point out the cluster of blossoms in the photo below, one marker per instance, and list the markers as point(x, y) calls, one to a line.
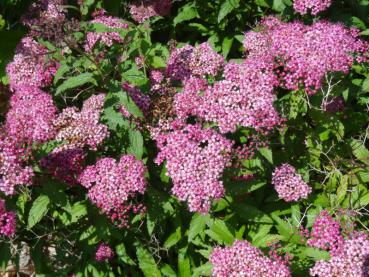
point(289, 184)
point(30, 65)
point(140, 99)
point(7, 220)
point(326, 234)
point(304, 54)
point(45, 19)
point(142, 10)
point(312, 6)
point(104, 253)
point(12, 171)
point(31, 115)
point(192, 61)
point(195, 160)
point(243, 259)
point(82, 128)
point(108, 37)
point(112, 184)
point(350, 261)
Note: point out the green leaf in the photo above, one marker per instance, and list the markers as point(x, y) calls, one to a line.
point(227, 7)
point(146, 262)
point(226, 46)
point(359, 151)
point(316, 254)
point(168, 271)
point(38, 210)
point(121, 252)
point(136, 143)
point(78, 211)
point(76, 81)
point(60, 73)
point(220, 233)
point(5, 255)
point(278, 5)
point(204, 270)
point(267, 154)
point(342, 189)
point(173, 238)
point(187, 12)
point(184, 266)
point(252, 214)
point(365, 85)
point(197, 225)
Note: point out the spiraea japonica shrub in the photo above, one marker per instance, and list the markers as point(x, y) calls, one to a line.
point(184, 138)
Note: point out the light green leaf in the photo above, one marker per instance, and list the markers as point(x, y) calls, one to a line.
point(168, 271)
point(173, 238)
point(136, 144)
point(227, 7)
point(38, 210)
point(120, 249)
point(187, 12)
point(76, 81)
point(359, 151)
point(146, 262)
point(267, 154)
point(220, 232)
point(197, 225)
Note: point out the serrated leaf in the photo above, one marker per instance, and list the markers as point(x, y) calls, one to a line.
point(342, 189)
point(173, 238)
point(219, 232)
point(365, 85)
point(267, 154)
point(186, 13)
point(121, 252)
point(184, 266)
point(168, 271)
point(146, 262)
point(76, 81)
point(136, 143)
point(60, 73)
point(78, 211)
point(316, 254)
point(227, 7)
point(38, 210)
point(204, 270)
point(359, 151)
point(226, 46)
point(197, 225)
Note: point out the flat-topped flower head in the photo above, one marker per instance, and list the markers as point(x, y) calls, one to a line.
point(311, 6)
point(243, 259)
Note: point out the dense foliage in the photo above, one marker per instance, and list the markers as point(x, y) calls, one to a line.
point(185, 138)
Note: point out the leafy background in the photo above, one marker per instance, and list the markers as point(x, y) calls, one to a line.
point(330, 151)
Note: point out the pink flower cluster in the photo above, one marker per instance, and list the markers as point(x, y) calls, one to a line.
point(31, 115)
point(8, 220)
point(197, 61)
point(314, 6)
point(82, 128)
point(304, 54)
point(30, 66)
point(12, 171)
point(326, 234)
point(289, 184)
point(45, 19)
point(195, 160)
point(244, 98)
point(104, 253)
point(141, 10)
point(109, 37)
point(243, 259)
point(111, 185)
point(350, 261)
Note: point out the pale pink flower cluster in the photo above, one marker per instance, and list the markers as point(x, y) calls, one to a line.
point(12, 171)
point(46, 19)
point(304, 54)
point(350, 261)
point(243, 259)
point(112, 184)
point(312, 6)
point(109, 37)
point(30, 65)
point(289, 184)
point(8, 220)
point(141, 10)
point(244, 98)
point(326, 233)
point(195, 160)
point(82, 128)
point(104, 253)
point(198, 61)
point(31, 115)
